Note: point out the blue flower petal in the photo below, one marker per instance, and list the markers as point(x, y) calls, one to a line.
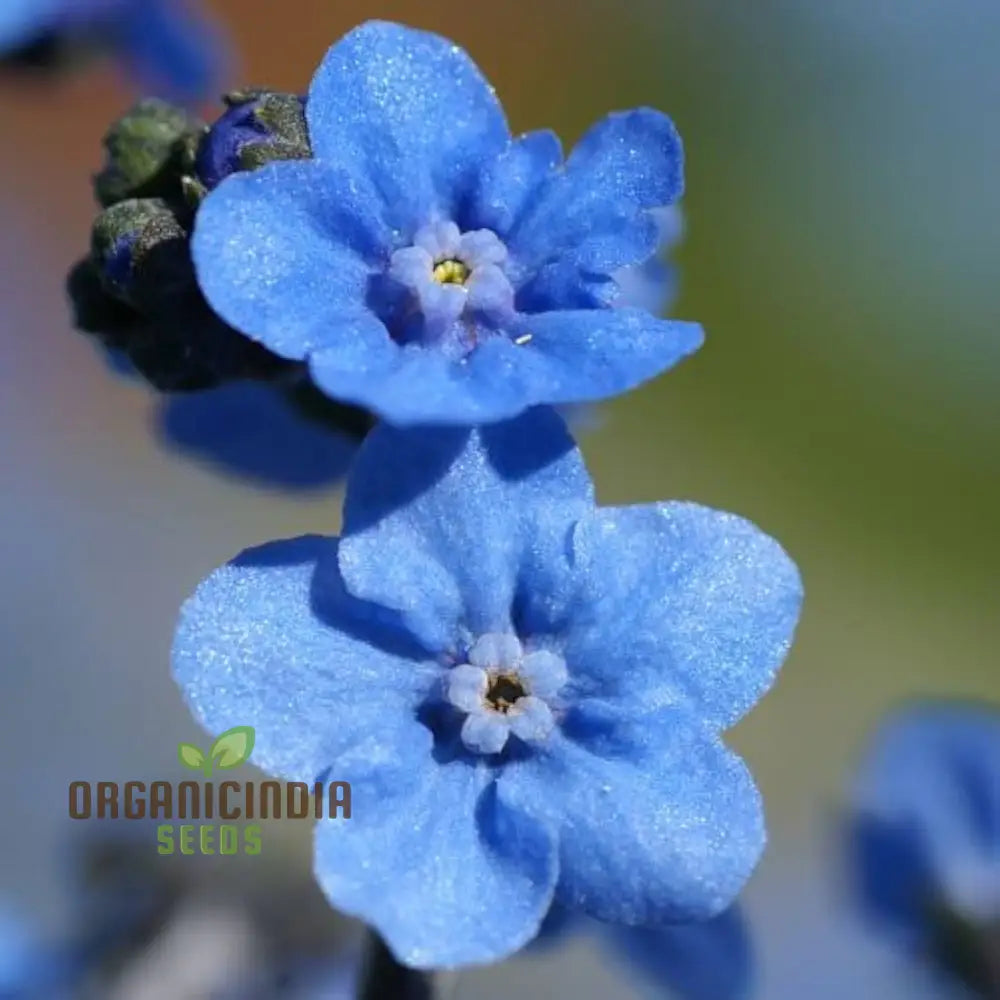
point(592, 212)
point(273, 641)
point(513, 179)
point(412, 385)
point(587, 355)
point(927, 815)
point(708, 960)
point(658, 822)
point(562, 357)
point(446, 526)
point(409, 110)
point(284, 254)
point(680, 602)
point(447, 872)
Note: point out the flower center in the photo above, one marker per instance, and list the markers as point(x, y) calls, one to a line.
point(504, 691)
point(457, 285)
point(451, 272)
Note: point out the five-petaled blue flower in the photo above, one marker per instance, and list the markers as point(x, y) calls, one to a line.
point(164, 43)
point(432, 268)
point(526, 691)
point(926, 835)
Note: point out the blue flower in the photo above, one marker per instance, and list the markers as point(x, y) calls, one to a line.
point(429, 266)
point(704, 960)
point(926, 835)
point(526, 691)
point(167, 46)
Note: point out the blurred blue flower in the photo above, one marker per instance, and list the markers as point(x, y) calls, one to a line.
point(704, 960)
point(252, 431)
point(432, 268)
point(525, 691)
point(18, 956)
point(926, 835)
point(168, 47)
point(29, 969)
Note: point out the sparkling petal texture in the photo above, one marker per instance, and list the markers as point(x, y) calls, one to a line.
point(658, 821)
point(587, 355)
point(414, 387)
point(284, 253)
point(322, 260)
point(926, 821)
point(432, 856)
point(408, 110)
point(608, 788)
point(680, 603)
point(508, 184)
point(269, 643)
point(592, 210)
point(444, 527)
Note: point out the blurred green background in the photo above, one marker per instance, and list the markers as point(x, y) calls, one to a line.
point(843, 254)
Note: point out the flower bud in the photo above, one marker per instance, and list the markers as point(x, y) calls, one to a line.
point(259, 126)
point(146, 152)
point(127, 233)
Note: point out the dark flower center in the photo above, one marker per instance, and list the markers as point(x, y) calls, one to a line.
point(504, 691)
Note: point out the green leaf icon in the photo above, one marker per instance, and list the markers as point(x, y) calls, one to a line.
point(233, 747)
point(190, 756)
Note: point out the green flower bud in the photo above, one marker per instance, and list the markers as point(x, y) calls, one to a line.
point(147, 152)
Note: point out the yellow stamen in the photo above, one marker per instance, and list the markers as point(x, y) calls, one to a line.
point(451, 272)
